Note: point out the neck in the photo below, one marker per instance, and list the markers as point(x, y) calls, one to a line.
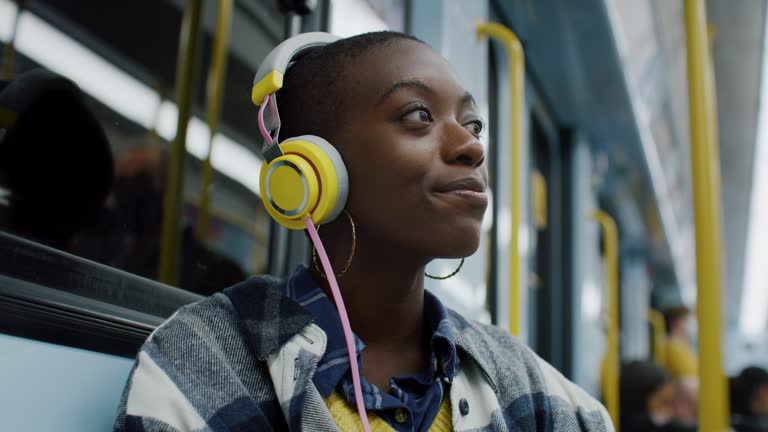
point(383, 292)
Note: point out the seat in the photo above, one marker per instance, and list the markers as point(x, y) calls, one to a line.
point(47, 387)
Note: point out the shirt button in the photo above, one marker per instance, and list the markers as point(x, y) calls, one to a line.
point(401, 415)
point(463, 407)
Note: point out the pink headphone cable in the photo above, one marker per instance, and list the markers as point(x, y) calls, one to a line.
point(344, 321)
point(326, 263)
point(262, 128)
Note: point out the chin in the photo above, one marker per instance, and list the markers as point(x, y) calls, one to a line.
point(458, 243)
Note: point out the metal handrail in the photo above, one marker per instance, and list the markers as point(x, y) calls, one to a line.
point(9, 50)
point(215, 89)
point(516, 59)
point(656, 319)
point(168, 267)
point(611, 377)
point(705, 167)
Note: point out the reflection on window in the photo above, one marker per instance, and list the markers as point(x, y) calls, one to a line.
point(80, 172)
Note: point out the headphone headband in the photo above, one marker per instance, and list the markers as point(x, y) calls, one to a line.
point(302, 178)
point(269, 77)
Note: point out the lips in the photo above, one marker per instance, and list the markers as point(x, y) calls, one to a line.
point(468, 191)
point(468, 184)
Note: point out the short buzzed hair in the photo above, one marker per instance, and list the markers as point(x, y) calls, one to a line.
point(311, 101)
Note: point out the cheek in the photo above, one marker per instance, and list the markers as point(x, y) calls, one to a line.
point(388, 171)
point(388, 188)
point(663, 400)
point(763, 404)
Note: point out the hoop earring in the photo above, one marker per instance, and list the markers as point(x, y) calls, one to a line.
point(351, 253)
point(446, 277)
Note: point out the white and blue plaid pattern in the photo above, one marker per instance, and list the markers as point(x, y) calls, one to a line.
point(419, 394)
point(245, 360)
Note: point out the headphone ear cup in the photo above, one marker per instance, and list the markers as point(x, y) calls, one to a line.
point(309, 180)
point(334, 184)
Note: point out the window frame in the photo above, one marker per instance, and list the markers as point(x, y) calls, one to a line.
point(79, 303)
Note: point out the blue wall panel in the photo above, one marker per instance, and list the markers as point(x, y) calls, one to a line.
point(46, 387)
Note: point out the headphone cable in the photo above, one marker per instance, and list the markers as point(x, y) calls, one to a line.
point(331, 277)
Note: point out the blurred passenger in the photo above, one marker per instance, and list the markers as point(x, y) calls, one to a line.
point(682, 362)
point(749, 400)
point(681, 357)
point(55, 160)
point(647, 395)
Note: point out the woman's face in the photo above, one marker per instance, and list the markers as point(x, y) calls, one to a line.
point(759, 402)
point(661, 404)
point(417, 170)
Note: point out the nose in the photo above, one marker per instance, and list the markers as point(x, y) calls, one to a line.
point(462, 148)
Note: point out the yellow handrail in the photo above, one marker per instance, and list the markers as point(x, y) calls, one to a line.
point(656, 319)
point(705, 166)
point(152, 136)
point(215, 89)
point(9, 50)
point(171, 234)
point(611, 377)
point(516, 59)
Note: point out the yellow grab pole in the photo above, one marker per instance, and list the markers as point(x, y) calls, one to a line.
point(705, 166)
point(9, 50)
point(169, 246)
point(611, 381)
point(516, 60)
point(656, 319)
point(215, 88)
point(152, 136)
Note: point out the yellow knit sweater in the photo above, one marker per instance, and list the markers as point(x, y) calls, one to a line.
point(346, 418)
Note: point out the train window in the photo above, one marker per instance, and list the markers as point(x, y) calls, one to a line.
point(87, 124)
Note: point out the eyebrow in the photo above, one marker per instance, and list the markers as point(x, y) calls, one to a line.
point(406, 84)
point(466, 99)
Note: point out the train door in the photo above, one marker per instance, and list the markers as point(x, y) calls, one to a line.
point(548, 291)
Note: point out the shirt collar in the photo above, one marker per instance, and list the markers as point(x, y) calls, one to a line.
point(270, 319)
point(301, 288)
point(443, 340)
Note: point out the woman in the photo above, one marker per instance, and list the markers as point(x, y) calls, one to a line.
point(682, 362)
point(270, 355)
point(648, 396)
point(749, 400)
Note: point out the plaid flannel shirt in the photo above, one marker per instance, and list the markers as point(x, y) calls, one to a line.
point(244, 360)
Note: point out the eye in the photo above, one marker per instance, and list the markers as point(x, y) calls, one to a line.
point(420, 114)
point(475, 127)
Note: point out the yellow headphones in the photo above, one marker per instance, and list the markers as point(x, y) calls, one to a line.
point(304, 176)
